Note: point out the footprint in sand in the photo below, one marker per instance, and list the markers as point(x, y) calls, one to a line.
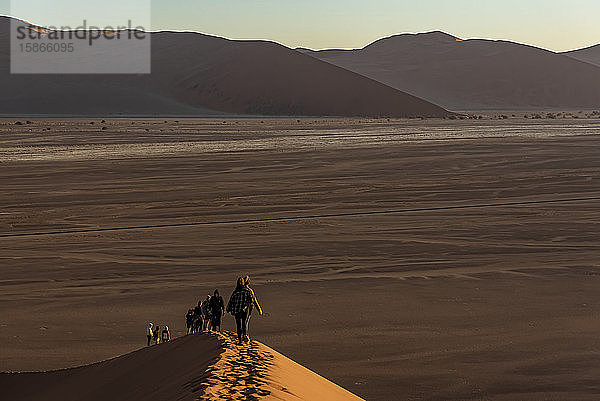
point(241, 373)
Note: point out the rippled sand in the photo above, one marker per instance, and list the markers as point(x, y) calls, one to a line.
point(494, 303)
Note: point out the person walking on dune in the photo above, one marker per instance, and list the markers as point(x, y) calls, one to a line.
point(189, 321)
point(156, 335)
point(166, 335)
point(206, 314)
point(254, 303)
point(198, 319)
point(217, 307)
point(149, 333)
point(238, 306)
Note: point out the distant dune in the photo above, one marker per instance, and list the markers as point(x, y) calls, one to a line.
point(590, 55)
point(193, 367)
point(473, 74)
point(195, 74)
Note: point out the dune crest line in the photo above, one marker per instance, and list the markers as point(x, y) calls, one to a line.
point(305, 217)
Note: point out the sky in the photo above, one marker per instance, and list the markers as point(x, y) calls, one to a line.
point(552, 24)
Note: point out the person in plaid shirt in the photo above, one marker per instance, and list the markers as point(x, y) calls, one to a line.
point(239, 306)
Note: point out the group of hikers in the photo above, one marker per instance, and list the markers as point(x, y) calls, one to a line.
point(207, 314)
point(156, 336)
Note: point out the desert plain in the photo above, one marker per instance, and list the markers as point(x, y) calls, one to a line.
point(481, 283)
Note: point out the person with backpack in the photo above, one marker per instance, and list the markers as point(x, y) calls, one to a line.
point(254, 303)
point(166, 335)
point(149, 333)
point(217, 308)
point(238, 306)
point(155, 334)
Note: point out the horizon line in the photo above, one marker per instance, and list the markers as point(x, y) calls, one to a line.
point(459, 39)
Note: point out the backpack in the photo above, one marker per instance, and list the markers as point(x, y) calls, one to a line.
point(165, 335)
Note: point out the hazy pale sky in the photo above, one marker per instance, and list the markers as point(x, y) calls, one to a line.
point(552, 24)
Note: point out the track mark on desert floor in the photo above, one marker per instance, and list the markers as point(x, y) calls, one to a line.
point(306, 217)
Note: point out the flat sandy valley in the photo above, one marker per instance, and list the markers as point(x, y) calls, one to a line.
point(498, 300)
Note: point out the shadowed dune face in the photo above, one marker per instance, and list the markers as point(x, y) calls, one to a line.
point(266, 78)
point(165, 372)
point(474, 74)
point(589, 55)
point(195, 74)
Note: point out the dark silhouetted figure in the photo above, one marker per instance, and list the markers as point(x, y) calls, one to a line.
point(217, 307)
point(155, 335)
point(166, 335)
point(189, 321)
